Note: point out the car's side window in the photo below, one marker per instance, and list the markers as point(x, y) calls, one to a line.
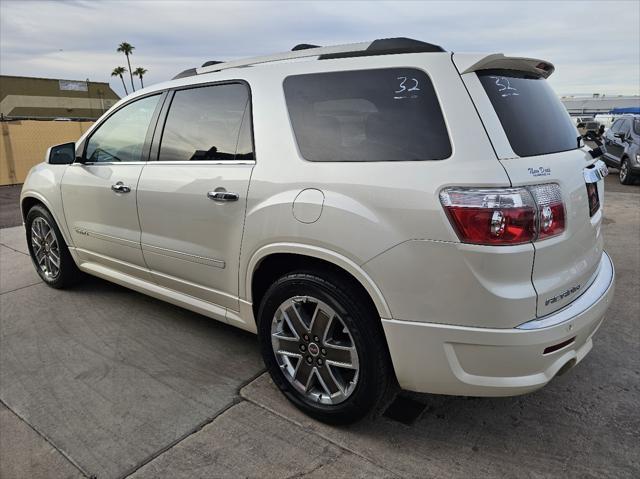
point(122, 136)
point(625, 127)
point(210, 123)
point(390, 114)
point(616, 126)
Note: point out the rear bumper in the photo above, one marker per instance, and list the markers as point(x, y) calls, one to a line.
point(446, 359)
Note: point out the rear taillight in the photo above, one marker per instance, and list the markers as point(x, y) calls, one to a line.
point(550, 210)
point(504, 216)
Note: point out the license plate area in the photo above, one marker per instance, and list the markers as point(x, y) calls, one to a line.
point(593, 198)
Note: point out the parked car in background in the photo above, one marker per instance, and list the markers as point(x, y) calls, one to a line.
point(579, 121)
point(606, 119)
point(622, 142)
point(379, 213)
point(589, 130)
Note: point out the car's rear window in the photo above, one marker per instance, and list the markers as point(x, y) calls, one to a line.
point(534, 119)
point(367, 115)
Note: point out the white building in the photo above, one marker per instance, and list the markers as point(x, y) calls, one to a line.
point(591, 105)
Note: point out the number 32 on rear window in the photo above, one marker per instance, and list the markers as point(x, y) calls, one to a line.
point(406, 85)
point(504, 87)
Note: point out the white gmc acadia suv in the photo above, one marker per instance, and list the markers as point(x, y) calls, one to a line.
point(379, 213)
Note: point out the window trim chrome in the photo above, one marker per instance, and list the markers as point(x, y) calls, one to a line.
point(203, 162)
point(156, 142)
point(173, 163)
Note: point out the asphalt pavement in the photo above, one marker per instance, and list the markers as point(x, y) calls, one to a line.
point(100, 381)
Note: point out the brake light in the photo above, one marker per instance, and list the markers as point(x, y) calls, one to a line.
point(504, 216)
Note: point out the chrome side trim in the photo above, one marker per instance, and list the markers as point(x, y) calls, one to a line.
point(218, 263)
point(180, 299)
point(108, 163)
point(598, 288)
point(201, 162)
point(174, 163)
point(106, 237)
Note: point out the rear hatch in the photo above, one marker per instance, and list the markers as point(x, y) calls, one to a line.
point(537, 143)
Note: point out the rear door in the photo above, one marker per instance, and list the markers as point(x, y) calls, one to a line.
point(192, 198)
point(537, 143)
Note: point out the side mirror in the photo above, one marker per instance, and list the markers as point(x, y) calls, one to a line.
point(64, 154)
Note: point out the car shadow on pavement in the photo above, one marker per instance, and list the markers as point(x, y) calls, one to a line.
point(112, 376)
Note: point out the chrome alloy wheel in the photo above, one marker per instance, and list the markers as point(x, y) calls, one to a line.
point(315, 350)
point(46, 250)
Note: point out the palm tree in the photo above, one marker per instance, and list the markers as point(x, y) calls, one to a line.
point(117, 72)
point(140, 72)
point(127, 49)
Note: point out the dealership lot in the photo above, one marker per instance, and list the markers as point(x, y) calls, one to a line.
point(102, 381)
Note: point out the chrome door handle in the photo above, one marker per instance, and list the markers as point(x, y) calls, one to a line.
point(120, 187)
point(223, 196)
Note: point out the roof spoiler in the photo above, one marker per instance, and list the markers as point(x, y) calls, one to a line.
point(467, 63)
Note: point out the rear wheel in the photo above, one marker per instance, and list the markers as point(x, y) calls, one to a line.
point(323, 346)
point(48, 251)
point(624, 175)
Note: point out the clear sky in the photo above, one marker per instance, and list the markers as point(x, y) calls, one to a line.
point(595, 45)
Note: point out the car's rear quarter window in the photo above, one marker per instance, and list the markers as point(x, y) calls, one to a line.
point(531, 114)
point(367, 115)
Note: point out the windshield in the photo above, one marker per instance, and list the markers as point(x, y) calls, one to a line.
point(532, 116)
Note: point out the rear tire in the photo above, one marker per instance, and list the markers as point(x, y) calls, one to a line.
point(624, 175)
point(335, 370)
point(48, 251)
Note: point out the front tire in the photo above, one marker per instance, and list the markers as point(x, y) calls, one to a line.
point(624, 175)
point(48, 251)
point(323, 346)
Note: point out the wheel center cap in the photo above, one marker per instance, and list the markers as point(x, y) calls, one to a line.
point(314, 350)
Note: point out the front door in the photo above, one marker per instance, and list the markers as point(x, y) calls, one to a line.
point(614, 144)
point(192, 200)
point(99, 193)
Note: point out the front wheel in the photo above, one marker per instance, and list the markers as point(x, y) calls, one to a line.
point(48, 251)
point(624, 174)
point(323, 346)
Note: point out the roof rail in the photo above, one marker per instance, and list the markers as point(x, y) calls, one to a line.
point(211, 62)
point(304, 46)
point(386, 46)
point(189, 72)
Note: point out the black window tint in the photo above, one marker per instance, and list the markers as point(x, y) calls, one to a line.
point(203, 124)
point(534, 119)
point(636, 126)
point(367, 115)
point(121, 137)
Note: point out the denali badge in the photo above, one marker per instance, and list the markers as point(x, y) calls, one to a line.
point(540, 171)
point(568, 292)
